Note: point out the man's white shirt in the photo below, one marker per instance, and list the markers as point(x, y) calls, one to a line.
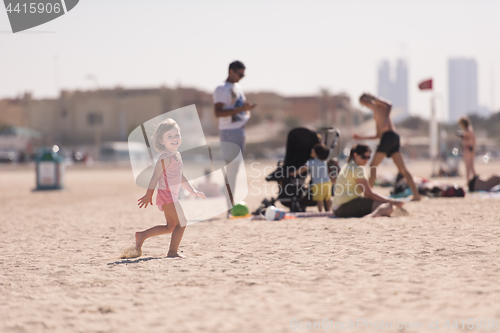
point(231, 95)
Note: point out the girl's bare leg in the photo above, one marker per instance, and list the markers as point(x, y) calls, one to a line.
point(176, 214)
point(175, 241)
point(158, 230)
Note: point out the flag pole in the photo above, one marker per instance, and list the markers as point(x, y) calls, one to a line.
point(433, 135)
point(433, 126)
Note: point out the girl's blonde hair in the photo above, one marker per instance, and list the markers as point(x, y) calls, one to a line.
point(163, 128)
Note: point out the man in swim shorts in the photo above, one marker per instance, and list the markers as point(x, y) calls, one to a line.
point(389, 145)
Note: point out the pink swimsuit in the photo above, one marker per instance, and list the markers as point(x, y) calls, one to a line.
point(169, 184)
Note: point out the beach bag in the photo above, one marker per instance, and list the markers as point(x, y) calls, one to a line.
point(453, 191)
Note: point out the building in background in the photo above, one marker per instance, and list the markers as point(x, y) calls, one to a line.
point(462, 88)
point(79, 117)
point(394, 88)
point(92, 117)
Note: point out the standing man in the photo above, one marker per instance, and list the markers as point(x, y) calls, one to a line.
point(233, 112)
point(389, 140)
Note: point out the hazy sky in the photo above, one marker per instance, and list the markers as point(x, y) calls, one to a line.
point(291, 47)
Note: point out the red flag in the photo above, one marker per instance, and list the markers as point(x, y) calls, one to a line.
point(425, 85)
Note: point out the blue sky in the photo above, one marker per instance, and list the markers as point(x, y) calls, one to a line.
point(290, 47)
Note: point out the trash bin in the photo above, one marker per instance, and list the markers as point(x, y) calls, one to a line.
point(49, 169)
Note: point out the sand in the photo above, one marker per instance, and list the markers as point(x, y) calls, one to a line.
point(60, 269)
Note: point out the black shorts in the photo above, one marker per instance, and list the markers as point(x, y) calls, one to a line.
point(358, 207)
point(389, 143)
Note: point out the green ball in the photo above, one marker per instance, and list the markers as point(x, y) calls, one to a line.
point(240, 209)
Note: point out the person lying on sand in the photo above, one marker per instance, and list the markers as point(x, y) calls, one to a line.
point(427, 187)
point(353, 194)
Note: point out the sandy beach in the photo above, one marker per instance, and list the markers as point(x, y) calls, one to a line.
point(60, 269)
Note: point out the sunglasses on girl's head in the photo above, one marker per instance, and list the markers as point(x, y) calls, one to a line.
point(366, 157)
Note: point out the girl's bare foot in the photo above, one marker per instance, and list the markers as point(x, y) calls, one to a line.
point(175, 255)
point(416, 198)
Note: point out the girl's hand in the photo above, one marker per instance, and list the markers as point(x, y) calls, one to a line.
point(199, 194)
point(356, 136)
point(145, 201)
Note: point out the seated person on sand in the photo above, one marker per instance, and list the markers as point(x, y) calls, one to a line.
point(210, 188)
point(475, 182)
point(353, 194)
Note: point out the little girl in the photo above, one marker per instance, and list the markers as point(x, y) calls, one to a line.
point(168, 174)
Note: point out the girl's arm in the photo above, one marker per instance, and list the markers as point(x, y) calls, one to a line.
point(158, 172)
point(190, 188)
point(367, 190)
point(147, 199)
